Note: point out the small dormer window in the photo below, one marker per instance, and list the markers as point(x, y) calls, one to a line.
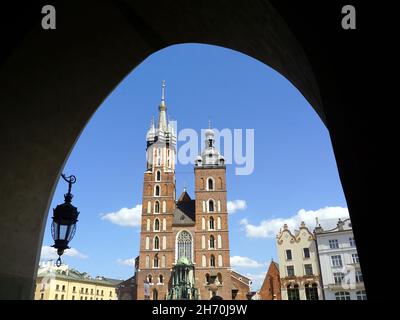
point(210, 143)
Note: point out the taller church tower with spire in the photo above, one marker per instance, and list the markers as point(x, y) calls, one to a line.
point(184, 243)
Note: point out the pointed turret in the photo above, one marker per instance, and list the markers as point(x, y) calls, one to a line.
point(210, 155)
point(162, 119)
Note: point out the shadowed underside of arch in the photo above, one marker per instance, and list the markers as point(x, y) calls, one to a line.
point(53, 81)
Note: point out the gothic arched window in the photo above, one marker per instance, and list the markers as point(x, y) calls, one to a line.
point(210, 184)
point(156, 243)
point(212, 242)
point(157, 207)
point(212, 261)
point(211, 223)
point(157, 191)
point(184, 245)
point(158, 175)
point(211, 205)
point(156, 225)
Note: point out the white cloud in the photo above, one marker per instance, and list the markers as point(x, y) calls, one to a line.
point(256, 280)
point(236, 205)
point(127, 262)
point(125, 217)
point(238, 261)
point(269, 228)
point(50, 253)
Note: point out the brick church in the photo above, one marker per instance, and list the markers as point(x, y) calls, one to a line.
point(184, 242)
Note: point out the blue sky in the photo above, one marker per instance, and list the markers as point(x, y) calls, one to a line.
point(294, 169)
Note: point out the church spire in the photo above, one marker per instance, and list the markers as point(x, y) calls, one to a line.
point(162, 118)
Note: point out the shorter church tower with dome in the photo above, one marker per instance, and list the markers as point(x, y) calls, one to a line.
point(184, 242)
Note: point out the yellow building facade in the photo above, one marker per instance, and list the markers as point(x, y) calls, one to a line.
point(64, 283)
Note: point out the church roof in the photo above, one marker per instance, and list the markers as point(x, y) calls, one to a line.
point(184, 213)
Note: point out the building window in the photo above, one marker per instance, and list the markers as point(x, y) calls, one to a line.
point(334, 244)
point(306, 252)
point(219, 223)
point(148, 225)
point(203, 241)
point(157, 207)
point(62, 297)
point(311, 291)
point(155, 262)
point(184, 245)
point(352, 242)
point(91, 291)
point(56, 297)
point(211, 205)
point(204, 261)
point(63, 288)
point(293, 292)
point(81, 298)
point(210, 184)
point(354, 257)
point(73, 289)
point(164, 224)
point(160, 279)
point(338, 277)
point(290, 271)
point(164, 242)
point(203, 223)
point(212, 261)
point(87, 291)
point(164, 207)
point(361, 295)
point(207, 278)
point(220, 262)
point(308, 269)
point(41, 296)
point(212, 242)
point(157, 191)
point(97, 292)
point(288, 254)
point(156, 243)
point(147, 246)
point(149, 278)
point(73, 297)
point(156, 225)
point(158, 175)
point(163, 262)
point(110, 293)
point(219, 244)
point(336, 261)
point(211, 223)
point(342, 295)
point(359, 277)
point(147, 263)
point(148, 206)
point(57, 287)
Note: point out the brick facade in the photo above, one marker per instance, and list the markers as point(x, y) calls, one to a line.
point(271, 287)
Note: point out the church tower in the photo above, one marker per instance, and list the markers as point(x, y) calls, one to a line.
point(213, 273)
point(158, 204)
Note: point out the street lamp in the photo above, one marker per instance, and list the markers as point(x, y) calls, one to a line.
point(65, 217)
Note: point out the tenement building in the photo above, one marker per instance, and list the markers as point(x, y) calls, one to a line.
point(340, 267)
point(184, 242)
point(298, 264)
point(65, 283)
